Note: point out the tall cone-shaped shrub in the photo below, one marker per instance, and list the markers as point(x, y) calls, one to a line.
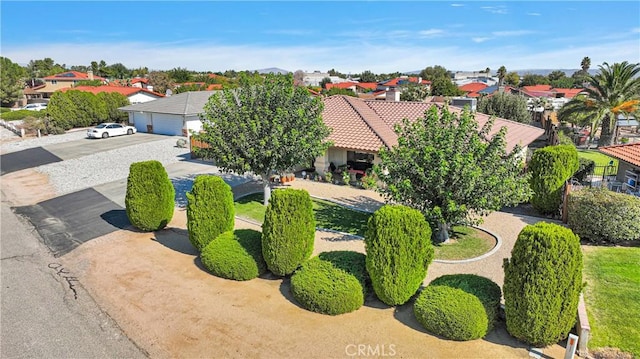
point(399, 250)
point(542, 284)
point(550, 167)
point(210, 210)
point(150, 197)
point(288, 230)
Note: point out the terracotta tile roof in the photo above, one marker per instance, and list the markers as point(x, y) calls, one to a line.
point(368, 85)
point(72, 76)
point(127, 91)
point(401, 80)
point(629, 153)
point(341, 85)
point(568, 93)
point(368, 124)
point(537, 88)
point(136, 80)
point(473, 87)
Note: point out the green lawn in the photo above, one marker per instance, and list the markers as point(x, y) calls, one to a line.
point(599, 158)
point(466, 242)
point(612, 296)
point(328, 215)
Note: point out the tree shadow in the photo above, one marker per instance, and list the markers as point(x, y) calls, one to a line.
point(176, 239)
point(340, 218)
point(361, 203)
point(285, 290)
point(341, 238)
point(117, 218)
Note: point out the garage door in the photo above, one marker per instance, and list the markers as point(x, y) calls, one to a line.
point(140, 121)
point(164, 126)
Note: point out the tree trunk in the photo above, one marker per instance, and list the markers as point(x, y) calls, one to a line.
point(606, 134)
point(266, 188)
point(443, 233)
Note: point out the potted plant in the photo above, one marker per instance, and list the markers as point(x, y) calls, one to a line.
point(328, 176)
point(346, 177)
point(291, 177)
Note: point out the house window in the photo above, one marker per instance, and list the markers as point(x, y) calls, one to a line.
point(359, 160)
point(54, 82)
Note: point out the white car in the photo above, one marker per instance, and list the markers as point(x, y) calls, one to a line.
point(32, 107)
point(105, 130)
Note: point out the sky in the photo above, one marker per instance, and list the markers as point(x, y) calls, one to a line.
point(350, 37)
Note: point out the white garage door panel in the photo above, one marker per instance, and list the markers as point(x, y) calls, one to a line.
point(164, 126)
point(140, 122)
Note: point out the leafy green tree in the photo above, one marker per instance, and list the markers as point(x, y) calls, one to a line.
point(614, 90)
point(12, 78)
point(94, 83)
point(339, 91)
point(451, 171)
point(160, 81)
point(512, 78)
point(555, 75)
point(179, 75)
point(432, 73)
point(368, 76)
point(502, 72)
point(542, 284)
point(119, 71)
point(263, 128)
point(399, 251)
point(324, 82)
point(333, 72)
point(43, 68)
point(140, 71)
point(534, 79)
point(585, 64)
point(112, 101)
point(505, 105)
point(563, 82)
point(413, 92)
point(191, 87)
point(443, 86)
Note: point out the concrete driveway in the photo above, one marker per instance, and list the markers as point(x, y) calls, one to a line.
point(89, 146)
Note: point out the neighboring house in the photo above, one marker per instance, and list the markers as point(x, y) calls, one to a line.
point(628, 165)
point(174, 115)
point(65, 80)
point(139, 82)
point(356, 87)
point(316, 77)
point(134, 94)
point(472, 89)
point(361, 127)
point(461, 78)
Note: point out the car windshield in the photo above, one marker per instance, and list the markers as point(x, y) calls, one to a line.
point(102, 125)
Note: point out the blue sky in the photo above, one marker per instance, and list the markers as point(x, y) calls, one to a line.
point(380, 36)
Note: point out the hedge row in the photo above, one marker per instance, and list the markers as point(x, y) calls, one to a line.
point(550, 167)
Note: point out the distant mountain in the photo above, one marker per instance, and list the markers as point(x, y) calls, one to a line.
point(543, 72)
point(273, 70)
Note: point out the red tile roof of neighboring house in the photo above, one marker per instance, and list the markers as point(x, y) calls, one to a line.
point(568, 93)
point(368, 124)
point(127, 91)
point(396, 81)
point(537, 88)
point(138, 79)
point(473, 87)
point(340, 85)
point(72, 76)
point(629, 153)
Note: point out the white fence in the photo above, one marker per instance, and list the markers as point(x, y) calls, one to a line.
point(11, 127)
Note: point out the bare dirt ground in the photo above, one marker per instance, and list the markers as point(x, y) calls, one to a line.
point(154, 287)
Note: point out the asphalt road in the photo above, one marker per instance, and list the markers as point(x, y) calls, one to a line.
point(20, 160)
point(45, 310)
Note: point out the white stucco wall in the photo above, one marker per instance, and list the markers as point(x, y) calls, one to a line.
point(141, 97)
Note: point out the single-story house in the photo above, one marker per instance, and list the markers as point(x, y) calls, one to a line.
point(174, 115)
point(360, 127)
point(628, 165)
point(134, 94)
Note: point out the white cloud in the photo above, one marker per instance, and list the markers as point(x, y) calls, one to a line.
point(534, 14)
point(430, 32)
point(457, 5)
point(480, 39)
point(512, 33)
point(500, 10)
point(635, 30)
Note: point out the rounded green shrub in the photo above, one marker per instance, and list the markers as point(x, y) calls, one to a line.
point(550, 167)
point(22, 114)
point(332, 283)
point(600, 215)
point(399, 250)
point(451, 313)
point(150, 197)
point(542, 284)
point(483, 288)
point(288, 230)
point(235, 255)
point(210, 210)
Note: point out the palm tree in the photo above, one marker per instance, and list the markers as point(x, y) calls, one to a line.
point(614, 90)
point(585, 64)
point(502, 72)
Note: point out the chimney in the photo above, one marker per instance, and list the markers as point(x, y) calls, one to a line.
point(392, 95)
point(90, 74)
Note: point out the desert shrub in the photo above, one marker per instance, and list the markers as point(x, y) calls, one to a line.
point(451, 313)
point(235, 255)
point(399, 250)
point(542, 284)
point(485, 289)
point(331, 283)
point(550, 167)
point(150, 196)
point(210, 210)
point(600, 215)
point(288, 230)
point(585, 167)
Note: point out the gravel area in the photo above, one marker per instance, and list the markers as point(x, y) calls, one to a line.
point(80, 173)
point(32, 142)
